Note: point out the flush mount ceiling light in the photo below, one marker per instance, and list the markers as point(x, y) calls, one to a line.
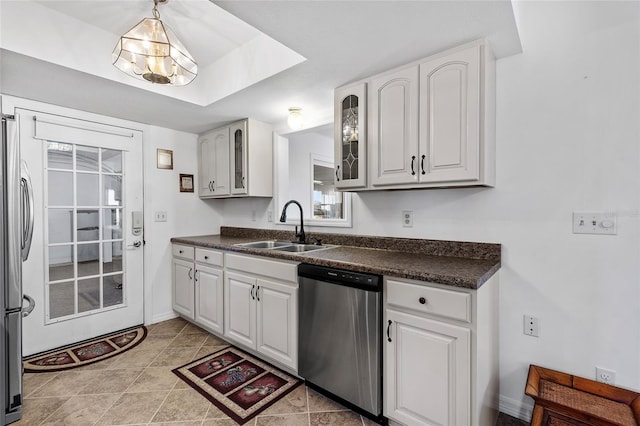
point(295, 118)
point(151, 51)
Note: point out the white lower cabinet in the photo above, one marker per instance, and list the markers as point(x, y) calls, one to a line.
point(261, 306)
point(182, 300)
point(197, 286)
point(428, 366)
point(209, 297)
point(440, 354)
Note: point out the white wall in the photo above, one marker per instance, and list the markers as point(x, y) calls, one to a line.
point(568, 127)
point(186, 213)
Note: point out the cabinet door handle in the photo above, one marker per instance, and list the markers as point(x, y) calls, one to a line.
point(388, 328)
point(338, 173)
point(210, 187)
point(252, 288)
point(180, 251)
point(213, 186)
point(196, 275)
point(413, 160)
point(242, 182)
point(190, 271)
point(422, 164)
point(258, 293)
point(422, 300)
point(206, 258)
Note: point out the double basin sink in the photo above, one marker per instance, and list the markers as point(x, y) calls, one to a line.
point(285, 246)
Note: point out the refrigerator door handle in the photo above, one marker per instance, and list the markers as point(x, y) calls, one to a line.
point(32, 305)
point(27, 211)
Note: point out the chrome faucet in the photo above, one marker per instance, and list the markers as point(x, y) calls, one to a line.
point(302, 238)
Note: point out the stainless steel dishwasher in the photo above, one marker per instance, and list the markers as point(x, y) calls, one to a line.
point(340, 353)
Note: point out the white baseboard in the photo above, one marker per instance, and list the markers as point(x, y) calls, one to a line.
point(163, 317)
point(519, 409)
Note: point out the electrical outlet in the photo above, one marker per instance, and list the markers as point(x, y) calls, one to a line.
point(161, 216)
point(269, 215)
point(530, 325)
point(604, 375)
point(253, 215)
point(407, 219)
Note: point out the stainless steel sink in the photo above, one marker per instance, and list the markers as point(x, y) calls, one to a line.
point(298, 248)
point(265, 244)
point(285, 246)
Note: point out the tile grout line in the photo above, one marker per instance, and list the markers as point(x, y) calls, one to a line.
point(306, 391)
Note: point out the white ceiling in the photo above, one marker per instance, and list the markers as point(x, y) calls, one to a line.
point(331, 42)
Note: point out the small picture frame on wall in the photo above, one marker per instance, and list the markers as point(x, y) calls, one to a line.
point(165, 159)
point(186, 183)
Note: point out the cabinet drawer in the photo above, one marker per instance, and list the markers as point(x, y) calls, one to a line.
point(209, 257)
point(437, 301)
point(185, 252)
point(282, 270)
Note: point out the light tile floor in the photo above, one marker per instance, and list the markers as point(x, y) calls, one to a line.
point(138, 388)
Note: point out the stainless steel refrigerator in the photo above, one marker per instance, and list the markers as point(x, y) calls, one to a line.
point(16, 211)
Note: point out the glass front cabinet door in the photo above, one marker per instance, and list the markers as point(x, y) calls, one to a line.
point(238, 137)
point(350, 136)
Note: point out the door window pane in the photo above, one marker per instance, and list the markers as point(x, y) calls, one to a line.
point(59, 155)
point(88, 259)
point(60, 188)
point(112, 290)
point(88, 189)
point(61, 263)
point(88, 225)
point(60, 226)
point(112, 190)
point(88, 294)
point(112, 257)
point(111, 161)
point(86, 158)
point(61, 299)
point(112, 224)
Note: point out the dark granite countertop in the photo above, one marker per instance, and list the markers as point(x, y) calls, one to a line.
point(459, 264)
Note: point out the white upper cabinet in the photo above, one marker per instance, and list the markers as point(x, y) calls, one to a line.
point(214, 163)
point(450, 117)
point(236, 161)
point(350, 128)
point(394, 127)
point(432, 123)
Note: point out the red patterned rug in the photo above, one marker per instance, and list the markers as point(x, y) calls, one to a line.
point(86, 352)
point(237, 383)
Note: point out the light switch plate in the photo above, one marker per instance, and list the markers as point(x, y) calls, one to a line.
point(594, 223)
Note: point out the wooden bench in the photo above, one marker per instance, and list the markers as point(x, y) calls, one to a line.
point(563, 399)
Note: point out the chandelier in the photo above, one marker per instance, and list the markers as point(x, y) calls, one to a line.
point(151, 51)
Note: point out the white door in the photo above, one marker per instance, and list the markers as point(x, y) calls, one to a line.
point(394, 127)
point(209, 293)
point(221, 163)
point(427, 371)
point(277, 321)
point(183, 287)
point(240, 308)
point(449, 117)
point(85, 268)
point(206, 158)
